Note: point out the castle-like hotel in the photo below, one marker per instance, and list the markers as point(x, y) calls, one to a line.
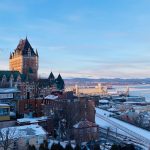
point(23, 73)
point(25, 60)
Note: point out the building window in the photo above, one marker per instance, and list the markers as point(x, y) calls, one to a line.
point(4, 111)
point(30, 106)
point(26, 106)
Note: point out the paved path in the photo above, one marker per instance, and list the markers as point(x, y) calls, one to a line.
point(141, 139)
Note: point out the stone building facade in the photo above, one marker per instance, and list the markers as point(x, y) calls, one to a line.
point(25, 60)
point(23, 74)
point(50, 85)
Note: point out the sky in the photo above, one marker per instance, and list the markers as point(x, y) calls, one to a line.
point(80, 38)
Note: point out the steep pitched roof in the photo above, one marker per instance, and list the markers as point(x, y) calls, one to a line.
point(8, 74)
point(24, 46)
point(51, 76)
point(60, 82)
point(59, 78)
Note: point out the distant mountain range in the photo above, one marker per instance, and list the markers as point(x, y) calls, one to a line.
point(107, 81)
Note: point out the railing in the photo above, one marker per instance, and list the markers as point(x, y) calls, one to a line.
point(141, 139)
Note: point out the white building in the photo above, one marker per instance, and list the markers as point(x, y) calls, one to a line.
point(20, 137)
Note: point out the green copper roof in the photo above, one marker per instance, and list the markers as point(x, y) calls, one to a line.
point(8, 74)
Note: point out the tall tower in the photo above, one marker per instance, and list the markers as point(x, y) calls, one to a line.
point(25, 60)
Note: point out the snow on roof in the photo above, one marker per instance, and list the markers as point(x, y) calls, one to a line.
point(130, 102)
point(5, 105)
point(104, 112)
point(9, 90)
point(31, 120)
point(52, 97)
point(23, 131)
point(112, 92)
point(103, 101)
point(84, 124)
point(112, 109)
point(63, 144)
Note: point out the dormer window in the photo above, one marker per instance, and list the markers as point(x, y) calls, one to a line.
point(29, 52)
point(4, 80)
point(18, 79)
point(11, 80)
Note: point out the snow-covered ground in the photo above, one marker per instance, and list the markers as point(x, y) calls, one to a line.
point(133, 128)
point(105, 124)
point(31, 120)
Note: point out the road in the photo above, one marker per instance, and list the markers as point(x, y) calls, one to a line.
point(138, 138)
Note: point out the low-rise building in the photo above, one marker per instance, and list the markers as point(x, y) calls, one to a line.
point(85, 131)
point(4, 112)
point(10, 96)
point(21, 137)
point(44, 122)
point(30, 108)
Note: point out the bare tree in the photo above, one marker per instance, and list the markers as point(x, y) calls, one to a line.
point(8, 137)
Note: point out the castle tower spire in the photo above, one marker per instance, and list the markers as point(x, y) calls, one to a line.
point(25, 55)
point(37, 53)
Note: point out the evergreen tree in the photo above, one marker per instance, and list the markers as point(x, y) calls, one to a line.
point(84, 148)
point(126, 147)
point(115, 147)
point(77, 147)
point(55, 134)
point(60, 147)
point(41, 147)
point(45, 144)
point(96, 147)
point(31, 147)
point(129, 147)
point(55, 147)
point(68, 147)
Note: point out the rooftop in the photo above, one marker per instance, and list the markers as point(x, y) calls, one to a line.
point(9, 90)
point(4, 105)
point(51, 97)
point(23, 131)
point(84, 124)
point(24, 46)
point(31, 120)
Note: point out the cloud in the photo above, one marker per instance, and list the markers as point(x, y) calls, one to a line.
point(109, 71)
